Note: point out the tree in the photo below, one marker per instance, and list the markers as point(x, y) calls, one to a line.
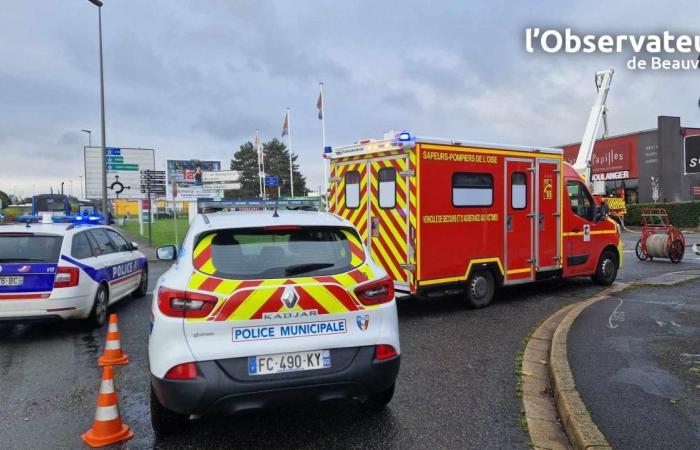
point(276, 164)
point(4, 200)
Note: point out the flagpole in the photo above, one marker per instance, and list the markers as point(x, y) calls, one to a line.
point(262, 158)
point(289, 144)
point(257, 151)
point(323, 132)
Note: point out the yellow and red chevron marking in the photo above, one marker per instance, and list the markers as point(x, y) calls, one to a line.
point(356, 250)
point(389, 248)
point(250, 299)
point(357, 216)
point(413, 213)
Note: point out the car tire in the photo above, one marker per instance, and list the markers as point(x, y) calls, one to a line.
point(378, 400)
point(98, 313)
point(480, 289)
point(163, 421)
point(606, 270)
point(142, 289)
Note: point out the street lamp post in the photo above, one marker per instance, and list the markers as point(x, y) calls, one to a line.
point(105, 212)
point(89, 133)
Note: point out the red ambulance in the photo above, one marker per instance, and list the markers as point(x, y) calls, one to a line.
point(455, 217)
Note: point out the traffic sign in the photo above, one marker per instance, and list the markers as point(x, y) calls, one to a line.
point(222, 176)
point(222, 186)
point(272, 181)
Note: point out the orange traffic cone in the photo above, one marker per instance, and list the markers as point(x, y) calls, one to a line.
point(107, 427)
point(113, 355)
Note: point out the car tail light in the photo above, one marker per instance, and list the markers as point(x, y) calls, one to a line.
point(186, 371)
point(383, 352)
point(66, 277)
point(175, 303)
point(376, 292)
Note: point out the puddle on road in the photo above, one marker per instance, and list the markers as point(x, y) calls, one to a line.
point(91, 344)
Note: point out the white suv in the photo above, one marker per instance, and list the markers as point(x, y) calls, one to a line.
point(66, 271)
point(261, 309)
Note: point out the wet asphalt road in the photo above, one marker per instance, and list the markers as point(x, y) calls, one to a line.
point(636, 362)
point(456, 388)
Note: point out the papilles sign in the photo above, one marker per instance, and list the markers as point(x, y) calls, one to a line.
point(612, 159)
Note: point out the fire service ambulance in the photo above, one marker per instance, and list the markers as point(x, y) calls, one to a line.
point(446, 216)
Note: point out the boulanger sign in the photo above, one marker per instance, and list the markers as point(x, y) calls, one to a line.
point(692, 154)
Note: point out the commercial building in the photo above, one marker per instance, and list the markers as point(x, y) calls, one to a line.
point(661, 164)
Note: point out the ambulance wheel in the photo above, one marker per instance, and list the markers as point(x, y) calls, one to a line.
point(98, 313)
point(480, 288)
point(606, 271)
point(142, 290)
point(379, 400)
point(163, 421)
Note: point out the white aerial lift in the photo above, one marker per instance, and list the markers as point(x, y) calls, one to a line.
point(598, 112)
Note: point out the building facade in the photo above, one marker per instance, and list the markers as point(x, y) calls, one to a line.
point(661, 164)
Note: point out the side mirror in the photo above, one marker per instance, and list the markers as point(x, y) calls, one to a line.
point(167, 253)
point(134, 246)
point(602, 212)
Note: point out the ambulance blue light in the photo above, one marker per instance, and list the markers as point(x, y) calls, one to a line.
point(405, 136)
point(327, 149)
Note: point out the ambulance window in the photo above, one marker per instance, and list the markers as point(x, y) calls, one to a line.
point(104, 245)
point(352, 190)
point(472, 189)
point(387, 188)
point(518, 190)
point(80, 248)
point(581, 202)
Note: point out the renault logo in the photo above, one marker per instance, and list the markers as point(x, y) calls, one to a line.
point(290, 297)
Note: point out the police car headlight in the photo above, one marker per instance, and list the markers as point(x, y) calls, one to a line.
point(174, 303)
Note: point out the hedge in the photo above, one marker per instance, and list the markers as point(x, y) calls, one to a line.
point(682, 214)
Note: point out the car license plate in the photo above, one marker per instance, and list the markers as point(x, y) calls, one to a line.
point(289, 362)
point(11, 281)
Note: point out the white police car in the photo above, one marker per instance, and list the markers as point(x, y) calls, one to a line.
point(259, 310)
point(67, 271)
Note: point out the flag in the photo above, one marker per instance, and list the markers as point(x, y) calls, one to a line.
point(319, 105)
point(258, 148)
point(285, 127)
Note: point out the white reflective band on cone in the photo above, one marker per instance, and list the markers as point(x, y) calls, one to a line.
point(104, 413)
point(112, 328)
point(112, 345)
point(107, 387)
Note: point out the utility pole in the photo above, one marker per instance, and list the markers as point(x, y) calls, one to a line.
point(105, 211)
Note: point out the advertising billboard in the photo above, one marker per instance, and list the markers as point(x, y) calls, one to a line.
point(692, 154)
point(612, 159)
point(187, 174)
point(124, 166)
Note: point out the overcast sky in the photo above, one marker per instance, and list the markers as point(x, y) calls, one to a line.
point(194, 79)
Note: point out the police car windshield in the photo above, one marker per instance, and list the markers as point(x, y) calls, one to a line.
point(278, 252)
point(27, 247)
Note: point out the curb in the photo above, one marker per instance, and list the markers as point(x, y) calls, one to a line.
point(580, 428)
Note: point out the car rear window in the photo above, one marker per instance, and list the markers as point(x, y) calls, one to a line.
point(278, 252)
point(21, 247)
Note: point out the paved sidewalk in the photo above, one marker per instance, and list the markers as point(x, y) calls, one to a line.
point(636, 363)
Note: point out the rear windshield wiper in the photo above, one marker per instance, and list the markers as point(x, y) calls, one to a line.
point(303, 268)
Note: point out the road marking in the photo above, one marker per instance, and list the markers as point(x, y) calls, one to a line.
point(616, 316)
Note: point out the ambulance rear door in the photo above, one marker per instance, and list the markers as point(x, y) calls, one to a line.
point(389, 216)
point(350, 194)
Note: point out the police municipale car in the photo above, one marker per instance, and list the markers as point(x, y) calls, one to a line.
point(66, 271)
point(259, 310)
